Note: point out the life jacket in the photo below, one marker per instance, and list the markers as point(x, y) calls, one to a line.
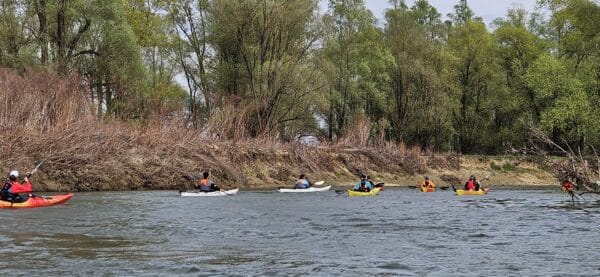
point(17, 187)
point(568, 186)
point(203, 182)
point(470, 185)
point(364, 186)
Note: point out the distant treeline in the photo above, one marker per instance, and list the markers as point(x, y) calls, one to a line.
point(286, 70)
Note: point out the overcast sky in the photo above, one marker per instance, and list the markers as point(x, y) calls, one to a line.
point(487, 9)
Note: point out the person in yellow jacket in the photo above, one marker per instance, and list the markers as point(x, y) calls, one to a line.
point(427, 185)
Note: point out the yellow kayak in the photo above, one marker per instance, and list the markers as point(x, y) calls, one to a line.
point(426, 189)
point(374, 191)
point(471, 192)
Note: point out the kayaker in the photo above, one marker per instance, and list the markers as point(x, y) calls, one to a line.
point(472, 184)
point(568, 186)
point(427, 183)
point(207, 185)
point(11, 188)
point(302, 182)
point(363, 185)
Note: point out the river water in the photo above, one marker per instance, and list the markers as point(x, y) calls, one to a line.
point(399, 232)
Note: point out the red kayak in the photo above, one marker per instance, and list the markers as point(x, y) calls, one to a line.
point(38, 201)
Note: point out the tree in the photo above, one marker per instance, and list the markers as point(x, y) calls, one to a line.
point(474, 78)
point(516, 108)
point(263, 50)
point(195, 55)
point(355, 50)
point(417, 112)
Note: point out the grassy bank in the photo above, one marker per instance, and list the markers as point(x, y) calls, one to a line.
point(76, 160)
point(46, 119)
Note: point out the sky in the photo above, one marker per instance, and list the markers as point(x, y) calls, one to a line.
point(487, 9)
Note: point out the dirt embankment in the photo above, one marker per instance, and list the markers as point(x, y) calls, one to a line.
point(146, 161)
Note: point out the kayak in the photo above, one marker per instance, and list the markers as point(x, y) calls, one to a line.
point(426, 189)
point(373, 192)
point(471, 192)
point(212, 193)
point(311, 189)
point(38, 201)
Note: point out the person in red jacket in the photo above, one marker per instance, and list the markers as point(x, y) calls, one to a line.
point(568, 186)
point(472, 184)
point(11, 188)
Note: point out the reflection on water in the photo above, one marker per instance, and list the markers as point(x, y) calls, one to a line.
point(399, 232)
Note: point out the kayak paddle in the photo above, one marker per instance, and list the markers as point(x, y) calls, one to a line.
point(35, 169)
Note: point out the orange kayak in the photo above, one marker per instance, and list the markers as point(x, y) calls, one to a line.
point(38, 201)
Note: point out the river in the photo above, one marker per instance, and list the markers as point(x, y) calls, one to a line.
point(399, 232)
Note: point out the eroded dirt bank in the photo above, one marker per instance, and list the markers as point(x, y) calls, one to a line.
point(95, 161)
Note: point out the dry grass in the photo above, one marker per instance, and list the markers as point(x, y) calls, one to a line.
point(53, 120)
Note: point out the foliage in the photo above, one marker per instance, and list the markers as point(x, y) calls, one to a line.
point(286, 71)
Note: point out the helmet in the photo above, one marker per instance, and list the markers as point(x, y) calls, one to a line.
point(363, 176)
point(426, 177)
point(472, 177)
point(14, 173)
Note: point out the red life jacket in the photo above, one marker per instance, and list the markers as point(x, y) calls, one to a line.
point(203, 182)
point(19, 188)
point(470, 185)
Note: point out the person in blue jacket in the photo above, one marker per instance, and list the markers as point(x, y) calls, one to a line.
point(363, 185)
point(302, 182)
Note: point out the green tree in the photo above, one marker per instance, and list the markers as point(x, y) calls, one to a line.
point(263, 50)
point(418, 113)
point(354, 48)
point(474, 77)
point(515, 106)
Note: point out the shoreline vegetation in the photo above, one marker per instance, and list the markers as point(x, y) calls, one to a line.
point(82, 153)
point(147, 95)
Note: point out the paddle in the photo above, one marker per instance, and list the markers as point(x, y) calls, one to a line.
point(35, 169)
point(486, 178)
point(31, 173)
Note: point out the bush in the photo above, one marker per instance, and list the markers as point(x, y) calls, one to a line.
point(509, 167)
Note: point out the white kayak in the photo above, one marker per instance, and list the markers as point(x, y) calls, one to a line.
point(311, 189)
point(212, 193)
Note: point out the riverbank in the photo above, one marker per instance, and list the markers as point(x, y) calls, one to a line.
point(117, 158)
point(82, 151)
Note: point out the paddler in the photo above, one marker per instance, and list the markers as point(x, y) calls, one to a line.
point(567, 185)
point(428, 184)
point(206, 185)
point(363, 185)
point(302, 182)
point(12, 187)
point(472, 184)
